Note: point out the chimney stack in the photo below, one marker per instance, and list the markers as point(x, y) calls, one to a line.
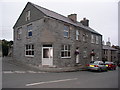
point(73, 17)
point(108, 43)
point(85, 22)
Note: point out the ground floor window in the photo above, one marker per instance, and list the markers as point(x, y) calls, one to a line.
point(97, 55)
point(29, 50)
point(84, 54)
point(65, 51)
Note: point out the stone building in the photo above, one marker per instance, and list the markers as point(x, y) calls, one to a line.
point(109, 53)
point(45, 38)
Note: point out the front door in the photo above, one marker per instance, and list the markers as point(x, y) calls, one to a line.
point(77, 58)
point(47, 56)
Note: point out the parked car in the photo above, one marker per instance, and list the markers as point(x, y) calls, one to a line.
point(110, 65)
point(96, 66)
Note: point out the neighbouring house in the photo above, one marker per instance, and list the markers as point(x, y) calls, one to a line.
point(118, 52)
point(109, 53)
point(45, 38)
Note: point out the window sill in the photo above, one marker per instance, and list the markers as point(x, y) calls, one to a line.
point(66, 37)
point(29, 56)
point(65, 57)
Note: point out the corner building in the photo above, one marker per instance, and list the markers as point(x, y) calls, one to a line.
point(45, 38)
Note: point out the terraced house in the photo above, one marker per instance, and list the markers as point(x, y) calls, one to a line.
point(45, 38)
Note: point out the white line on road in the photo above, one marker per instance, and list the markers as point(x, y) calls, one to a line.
point(51, 82)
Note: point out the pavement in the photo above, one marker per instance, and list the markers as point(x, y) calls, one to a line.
point(31, 68)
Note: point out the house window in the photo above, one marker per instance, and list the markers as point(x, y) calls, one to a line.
point(84, 54)
point(29, 29)
point(27, 17)
point(104, 51)
point(66, 31)
point(97, 56)
point(29, 50)
point(19, 32)
point(97, 40)
point(65, 51)
point(92, 39)
point(77, 35)
point(85, 36)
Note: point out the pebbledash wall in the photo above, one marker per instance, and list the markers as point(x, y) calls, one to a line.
point(50, 32)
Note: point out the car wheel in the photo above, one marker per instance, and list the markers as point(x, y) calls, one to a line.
point(114, 68)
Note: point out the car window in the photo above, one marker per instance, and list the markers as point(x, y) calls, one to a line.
point(101, 64)
point(96, 62)
point(109, 63)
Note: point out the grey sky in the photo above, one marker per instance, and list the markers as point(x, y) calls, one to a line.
point(103, 14)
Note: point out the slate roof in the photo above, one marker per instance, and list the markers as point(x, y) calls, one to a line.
point(60, 17)
point(108, 47)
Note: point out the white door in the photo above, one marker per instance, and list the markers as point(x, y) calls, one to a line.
point(47, 56)
point(77, 58)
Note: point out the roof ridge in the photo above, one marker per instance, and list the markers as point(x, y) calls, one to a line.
point(50, 11)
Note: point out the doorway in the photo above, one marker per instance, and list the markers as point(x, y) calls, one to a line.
point(47, 55)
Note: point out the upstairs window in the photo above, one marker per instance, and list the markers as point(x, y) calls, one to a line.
point(29, 29)
point(19, 32)
point(92, 39)
point(66, 31)
point(97, 40)
point(77, 35)
point(65, 51)
point(85, 36)
point(27, 17)
point(29, 50)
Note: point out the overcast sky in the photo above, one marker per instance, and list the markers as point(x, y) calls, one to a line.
point(103, 14)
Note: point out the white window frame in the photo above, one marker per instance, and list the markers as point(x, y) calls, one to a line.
point(97, 40)
point(19, 32)
point(29, 49)
point(29, 30)
point(84, 54)
point(77, 35)
point(92, 38)
point(27, 17)
point(66, 31)
point(66, 50)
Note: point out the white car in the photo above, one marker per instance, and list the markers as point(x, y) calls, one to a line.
point(97, 66)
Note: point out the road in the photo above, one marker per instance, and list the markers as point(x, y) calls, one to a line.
point(18, 77)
